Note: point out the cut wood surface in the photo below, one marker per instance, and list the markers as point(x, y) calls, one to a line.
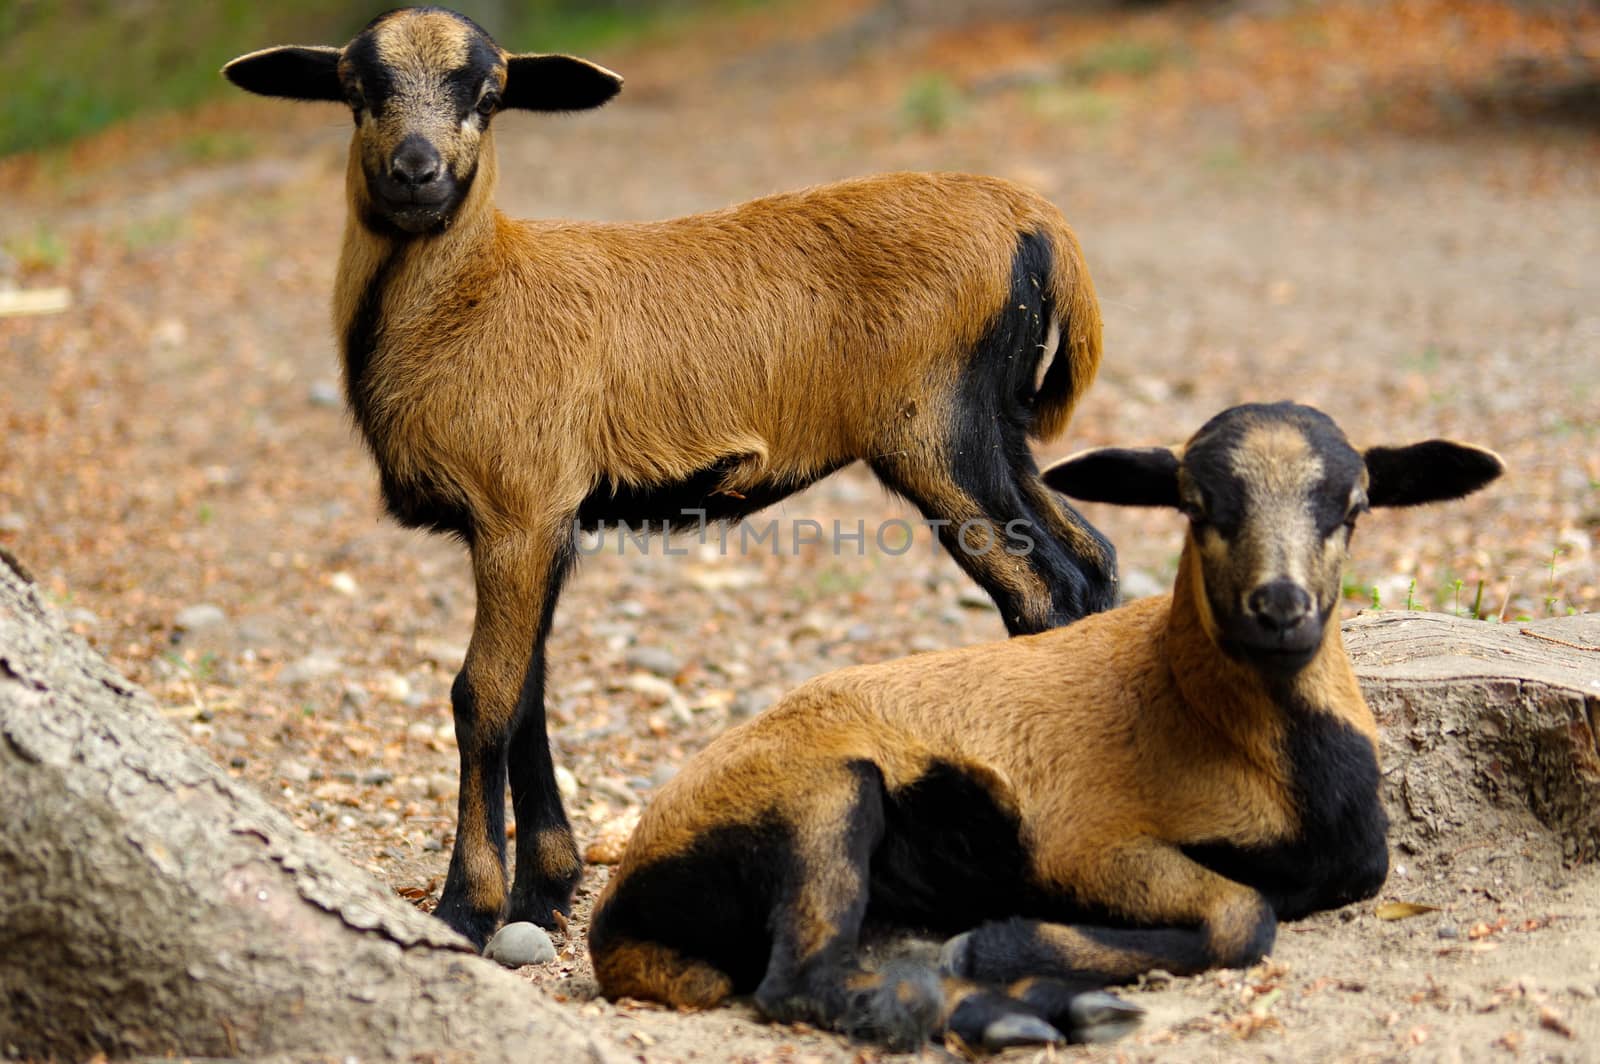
point(1484, 724)
point(152, 905)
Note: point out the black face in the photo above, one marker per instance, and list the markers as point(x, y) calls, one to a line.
point(422, 86)
point(1272, 494)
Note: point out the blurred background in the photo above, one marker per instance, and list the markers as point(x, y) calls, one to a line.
point(74, 66)
point(1384, 208)
point(1387, 209)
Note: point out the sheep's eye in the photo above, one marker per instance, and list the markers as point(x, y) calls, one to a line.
point(1358, 506)
point(487, 103)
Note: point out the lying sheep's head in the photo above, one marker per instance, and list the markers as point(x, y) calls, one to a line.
point(1272, 493)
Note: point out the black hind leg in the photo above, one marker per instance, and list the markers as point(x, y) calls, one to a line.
point(813, 972)
point(1042, 568)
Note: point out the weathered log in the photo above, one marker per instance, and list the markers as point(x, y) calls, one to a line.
point(151, 905)
point(1485, 727)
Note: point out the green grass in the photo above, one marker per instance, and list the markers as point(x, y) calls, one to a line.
point(39, 249)
point(1073, 105)
point(1124, 56)
point(75, 66)
point(931, 103)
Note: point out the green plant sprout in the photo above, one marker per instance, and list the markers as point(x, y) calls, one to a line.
point(1550, 596)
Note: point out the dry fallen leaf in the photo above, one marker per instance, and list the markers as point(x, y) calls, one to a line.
point(606, 851)
point(1401, 910)
point(1551, 1020)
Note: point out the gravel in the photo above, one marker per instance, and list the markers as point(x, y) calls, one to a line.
point(516, 945)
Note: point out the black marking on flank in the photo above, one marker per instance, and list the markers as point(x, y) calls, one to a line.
point(649, 506)
point(990, 458)
point(951, 855)
point(713, 901)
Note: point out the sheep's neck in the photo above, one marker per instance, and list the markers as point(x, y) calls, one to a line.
point(369, 249)
point(1251, 709)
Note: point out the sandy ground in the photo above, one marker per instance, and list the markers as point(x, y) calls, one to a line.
point(1286, 201)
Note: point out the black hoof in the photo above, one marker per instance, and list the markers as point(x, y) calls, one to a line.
point(541, 907)
point(953, 958)
point(1101, 1017)
point(1020, 1029)
point(477, 927)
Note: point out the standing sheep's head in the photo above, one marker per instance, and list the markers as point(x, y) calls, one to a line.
point(1272, 493)
point(423, 84)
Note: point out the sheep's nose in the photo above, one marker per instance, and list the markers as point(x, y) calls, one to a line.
point(1279, 606)
point(415, 162)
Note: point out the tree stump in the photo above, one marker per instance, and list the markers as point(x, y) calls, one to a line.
point(1485, 727)
point(151, 905)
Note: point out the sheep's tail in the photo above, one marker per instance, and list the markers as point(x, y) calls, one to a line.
point(1072, 342)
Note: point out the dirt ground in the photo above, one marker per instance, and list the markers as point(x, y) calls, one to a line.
point(1387, 210)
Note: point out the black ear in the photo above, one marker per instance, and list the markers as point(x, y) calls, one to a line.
point(1428, 472)
point(293, 71)
point(1144, 476)
point(557, 83)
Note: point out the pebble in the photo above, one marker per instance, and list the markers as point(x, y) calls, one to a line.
point(859, 633)
point(653, 659)
point(566, 782)
point(1447, 931)
point(294, 771)
point(515, 945)
point(614, 789)
point(749, 703)
point(325, 393)
point(393, 686)
point(651, 687)
point(232, 740)
point(442, 652)
point(441, 786)
point(317, 666)
point(13, 522)
point(662, 774)
point(421, 732)
point(343, 583)
point(200, 617)
point(632, 609)
point(377, 777)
